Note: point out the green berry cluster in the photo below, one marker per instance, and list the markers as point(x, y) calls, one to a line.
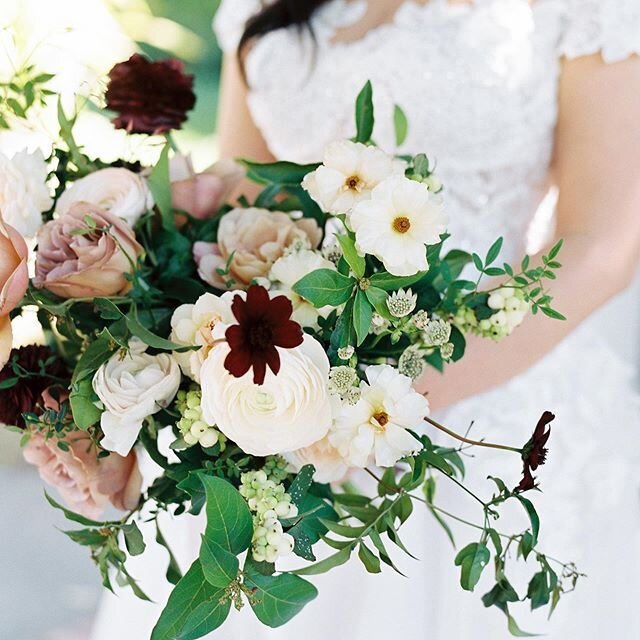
point(192, 425)
point(268, 501)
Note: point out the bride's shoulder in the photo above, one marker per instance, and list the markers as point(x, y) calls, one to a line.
point(230, 21)
point(609, 27)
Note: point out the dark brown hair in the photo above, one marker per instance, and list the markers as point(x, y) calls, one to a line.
point(278, 15)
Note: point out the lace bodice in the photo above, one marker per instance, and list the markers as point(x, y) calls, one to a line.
point(478, 83)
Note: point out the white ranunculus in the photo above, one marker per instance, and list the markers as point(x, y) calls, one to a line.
point(350, 170)
point(330, 465)
point(133, 387)
point(289, 411)
point(200, 325)
point(24, 194)
point(118, 190)
point(396, 223)
point(286, 271)
point(374, 430)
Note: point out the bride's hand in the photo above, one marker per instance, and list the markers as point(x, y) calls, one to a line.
point(202, 194)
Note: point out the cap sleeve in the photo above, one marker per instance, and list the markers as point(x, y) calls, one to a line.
point(609, 27)
point(230, 20)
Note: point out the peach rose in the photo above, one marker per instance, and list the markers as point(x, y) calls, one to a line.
point(256, 238)
point(202, 194)
point(87, 484)
point(14, 280)
point(86, 265)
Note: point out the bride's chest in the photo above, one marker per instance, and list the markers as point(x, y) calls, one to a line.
point(478, 84)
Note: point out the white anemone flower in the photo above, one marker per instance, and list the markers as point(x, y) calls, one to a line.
point(349, 172)
point(375, 429)
point(396, 223)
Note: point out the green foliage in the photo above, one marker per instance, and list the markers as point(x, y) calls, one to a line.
point(400, 125)
point(325, 287)
point(472, 561)
point(27, 88)
point(160, 187)
point(364, 114)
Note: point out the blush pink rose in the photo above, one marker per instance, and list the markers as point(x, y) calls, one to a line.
point(87, 484)
point(202, 194)
point(256, 238)
point(87, 265)
point(14, 280)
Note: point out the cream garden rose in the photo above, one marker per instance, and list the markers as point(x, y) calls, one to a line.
point(291, 410)
point(347, 175)
point(24, 194)
point(397, 223)
point(287, 270)
point(375, 429)
point(200, 324)
point(255, 238)
point(132, 387)
point(330, 465)
point(122, 192)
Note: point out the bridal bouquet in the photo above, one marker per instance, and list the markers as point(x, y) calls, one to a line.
point(262, 354)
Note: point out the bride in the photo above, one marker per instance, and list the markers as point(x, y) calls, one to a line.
point(517, 100)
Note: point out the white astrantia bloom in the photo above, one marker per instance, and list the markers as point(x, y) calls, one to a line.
point(401, 303)
point(375, 429)
point(133, 387)
point(24, 194)
point(397, 223)
point(200, 325)
point(116, 189)
point(287, 270)
point(288, 411)
point(350, 170)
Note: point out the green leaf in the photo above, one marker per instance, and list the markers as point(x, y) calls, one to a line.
point(87, 537)
point(364, 114)
point(477, 261)
point(98, 352)
point(173, 570)
point(516, 631)
point(552, 313)
point(148, 337)
point(472, 560)
point(219, 566)
point(325, 287)
point(400, 125)
point(494, 252)
point(229, 521)
point(283, 173)
point(277, 599)
point(539, 591)
point(133, 539)
point(193, 608)
point(331, 562)
point(160, 186)
point(378, 299)
point(369, 559)
point(347, 531)
point(555, 250)
point(351, 255)
point(362, 315)
point(73, 517)
point(526, 544)
point(82, 400)
point(533, 516)
point(389, 282)
point(301, 483)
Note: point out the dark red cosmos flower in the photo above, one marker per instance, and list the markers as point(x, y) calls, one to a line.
point(23, 396)
point(264, 323)
point(534, 453)
point(149, 97)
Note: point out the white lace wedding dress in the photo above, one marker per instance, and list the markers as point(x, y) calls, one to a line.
point(479, 85)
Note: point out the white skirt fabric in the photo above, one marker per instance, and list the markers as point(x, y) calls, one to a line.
point(590, 510)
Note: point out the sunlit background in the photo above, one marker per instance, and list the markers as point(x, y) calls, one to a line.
point(49, 588)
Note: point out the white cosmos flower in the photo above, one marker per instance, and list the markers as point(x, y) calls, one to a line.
point(375, 428)
point(133, 387)
point(116, 189)
point(396, 223)
point(200, 325)
point(288, 411)
point(350, 170)
point(24, 194)
point(286, 271)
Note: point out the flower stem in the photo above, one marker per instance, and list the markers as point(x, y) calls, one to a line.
point(476, 443)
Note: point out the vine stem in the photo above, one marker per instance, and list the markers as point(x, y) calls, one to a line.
point(476, 443)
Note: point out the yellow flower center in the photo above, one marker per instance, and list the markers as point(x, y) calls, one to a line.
point(401, 224)
point(380, 420)
point(354, 183)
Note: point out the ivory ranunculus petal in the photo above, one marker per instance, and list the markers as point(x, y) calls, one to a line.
point(291, 410)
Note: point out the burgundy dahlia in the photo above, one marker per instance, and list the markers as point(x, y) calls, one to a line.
point(149, 97)
point(264, 323)
point(534, 453)
point(38, 368)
